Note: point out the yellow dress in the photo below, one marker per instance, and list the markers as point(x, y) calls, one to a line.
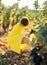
point(24, 43)
point(15, 37)
point(24, 46)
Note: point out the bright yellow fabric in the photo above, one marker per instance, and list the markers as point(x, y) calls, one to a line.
point(15, 37)
point(30, 27)
point(23, 47)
